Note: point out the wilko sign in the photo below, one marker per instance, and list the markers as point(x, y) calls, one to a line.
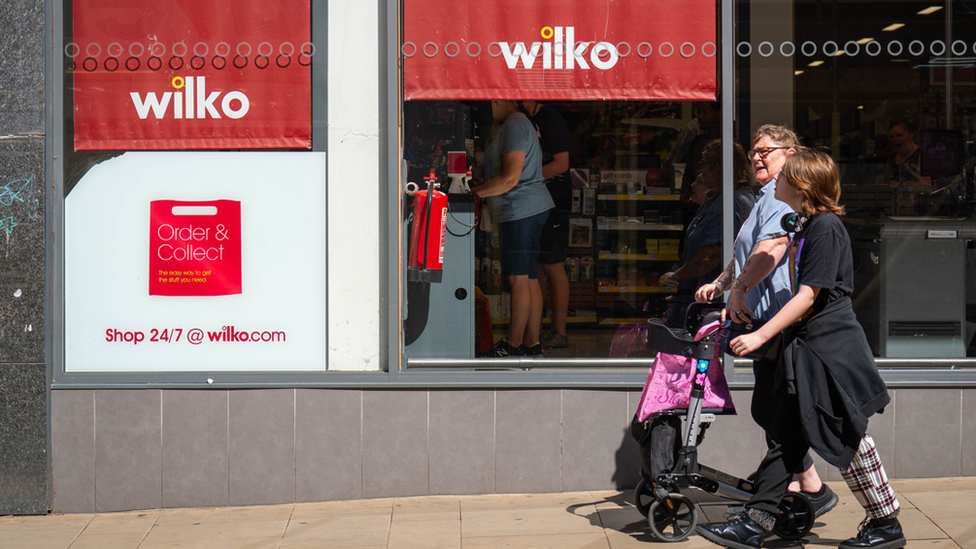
point(205, 104)
point(194, 248)
point(575, 50)
point(179, 75)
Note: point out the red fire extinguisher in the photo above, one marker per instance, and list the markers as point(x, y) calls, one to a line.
point(427, 233)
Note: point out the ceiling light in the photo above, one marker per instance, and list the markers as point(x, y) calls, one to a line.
point(864, 41)
point(797, 73)
point(893, 27)
point(816, 63)
point(838, 53)
point(930, 10)
point(860, 107)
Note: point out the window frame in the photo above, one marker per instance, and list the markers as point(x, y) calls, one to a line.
point(551, 374)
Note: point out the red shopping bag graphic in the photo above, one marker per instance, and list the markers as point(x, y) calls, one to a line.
point(194, 248)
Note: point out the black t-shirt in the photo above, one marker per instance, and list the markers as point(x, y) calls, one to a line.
point(555, 139)
point(821, 257)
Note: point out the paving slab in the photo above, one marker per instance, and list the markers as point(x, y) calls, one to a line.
point(426, 523)
point(527, 515)
point(117, 530)
point(585, 540)
point(226, 528)
point(339, 524)
point(55, 531)
point(954, 511)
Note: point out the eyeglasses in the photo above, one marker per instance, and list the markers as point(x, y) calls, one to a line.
point(763, 153)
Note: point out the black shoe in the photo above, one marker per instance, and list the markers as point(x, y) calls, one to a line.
point(534, 350)
point(878, 533)
point(740, 533)
point(503, 349)
point(823, 501)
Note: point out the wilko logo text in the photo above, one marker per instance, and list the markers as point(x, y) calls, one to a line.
point(563, 52)
point(190, 101)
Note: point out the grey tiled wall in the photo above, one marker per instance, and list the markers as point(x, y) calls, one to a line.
point(130, 449)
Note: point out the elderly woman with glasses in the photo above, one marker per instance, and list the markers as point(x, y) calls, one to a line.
point(758, 278)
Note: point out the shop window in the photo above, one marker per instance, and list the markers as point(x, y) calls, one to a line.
point(620, 121)
point(628, 215)
point(188, 135)
point(890, 93)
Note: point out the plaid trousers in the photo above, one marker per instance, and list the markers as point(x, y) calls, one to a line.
point(867, 479)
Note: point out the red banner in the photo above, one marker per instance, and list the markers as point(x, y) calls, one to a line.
point(190, 74)
point(560, 50)
point(195, 248)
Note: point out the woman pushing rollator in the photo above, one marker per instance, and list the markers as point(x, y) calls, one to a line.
point(827, 378)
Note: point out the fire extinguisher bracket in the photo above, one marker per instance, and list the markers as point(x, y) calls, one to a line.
point(424, 275)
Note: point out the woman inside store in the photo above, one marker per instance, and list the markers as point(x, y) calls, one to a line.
point(520, 204)
point(904, 170)
point(702, 253)
point(826, 375)
point(904, 166)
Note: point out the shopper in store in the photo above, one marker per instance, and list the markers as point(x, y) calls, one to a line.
point(759, 284)
point(904, 170)
point(520, 204)
point(701, 256)
point(827, 374)
point(554, 134)
point(691, 140)
point(904, 166)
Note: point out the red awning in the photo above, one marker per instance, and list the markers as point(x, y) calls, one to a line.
point(560, 50)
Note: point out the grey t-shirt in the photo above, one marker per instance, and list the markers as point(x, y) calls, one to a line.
point(530, 196)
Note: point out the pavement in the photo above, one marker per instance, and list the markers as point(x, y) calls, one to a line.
point(936, 514)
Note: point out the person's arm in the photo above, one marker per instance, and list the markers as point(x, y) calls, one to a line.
point(559, 164)
point(765, 256)
point(714, 289)
point(786, 316)
point(512, 162)
point(704, 260)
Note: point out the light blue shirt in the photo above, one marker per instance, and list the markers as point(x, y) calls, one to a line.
point(763, 223)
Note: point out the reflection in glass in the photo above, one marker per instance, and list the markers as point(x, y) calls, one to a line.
point(892, 95)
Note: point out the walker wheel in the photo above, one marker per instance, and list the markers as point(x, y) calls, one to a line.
point(673, 518)
point(796, 516)
point(644, 497)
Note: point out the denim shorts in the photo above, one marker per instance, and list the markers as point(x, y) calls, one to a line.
point(552, 248)
point(520, 244)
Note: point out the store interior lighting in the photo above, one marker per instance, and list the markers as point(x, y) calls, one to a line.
point(797, 73)
point(863, 41)
point(816, 63)
point(930, 10)
point(893, 27)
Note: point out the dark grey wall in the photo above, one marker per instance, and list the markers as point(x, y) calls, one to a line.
point(23, 377)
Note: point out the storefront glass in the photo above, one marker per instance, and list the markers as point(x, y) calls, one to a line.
point(889, 90)
point(194, 189)
point(868, 81)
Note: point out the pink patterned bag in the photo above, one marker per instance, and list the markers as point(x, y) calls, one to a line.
point(669, 381)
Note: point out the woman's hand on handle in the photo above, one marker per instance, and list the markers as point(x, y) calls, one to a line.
point(737, 309)
point(708, 292)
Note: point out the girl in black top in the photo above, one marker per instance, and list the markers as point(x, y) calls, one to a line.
point(827, 378)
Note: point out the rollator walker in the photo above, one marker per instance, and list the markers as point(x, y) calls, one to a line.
point(669, 465)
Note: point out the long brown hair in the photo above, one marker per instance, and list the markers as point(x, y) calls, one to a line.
point(815, 174)
point(741, 170)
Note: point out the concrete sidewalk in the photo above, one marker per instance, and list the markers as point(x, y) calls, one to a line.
point(936, 513)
